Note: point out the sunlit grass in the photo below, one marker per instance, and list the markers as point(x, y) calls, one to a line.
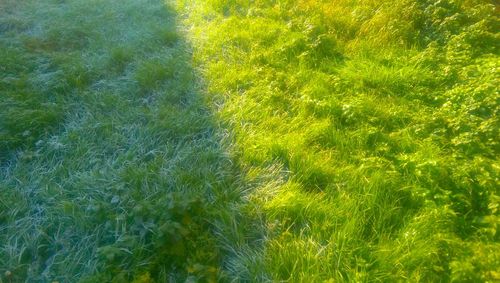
point(380, 118)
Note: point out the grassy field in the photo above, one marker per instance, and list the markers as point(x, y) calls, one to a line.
point(249, 141)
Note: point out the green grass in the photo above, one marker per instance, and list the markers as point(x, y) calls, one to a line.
point(379, 122)
point(113, 169)
point(249, 141)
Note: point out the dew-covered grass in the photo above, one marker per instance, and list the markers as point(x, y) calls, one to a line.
point(112, 167)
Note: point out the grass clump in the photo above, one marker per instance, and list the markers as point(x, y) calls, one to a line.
point(152, 73)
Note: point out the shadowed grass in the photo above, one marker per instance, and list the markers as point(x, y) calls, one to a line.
point(113, 168)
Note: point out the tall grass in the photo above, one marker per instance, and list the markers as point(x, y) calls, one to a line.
point(379, 122)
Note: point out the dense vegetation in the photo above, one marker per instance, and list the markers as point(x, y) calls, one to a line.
point(322, 141)
point(379, 123)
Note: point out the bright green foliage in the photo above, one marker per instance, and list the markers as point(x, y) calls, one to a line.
point(379, 122)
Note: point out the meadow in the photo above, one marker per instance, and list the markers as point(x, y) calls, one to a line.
point(249, 141)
